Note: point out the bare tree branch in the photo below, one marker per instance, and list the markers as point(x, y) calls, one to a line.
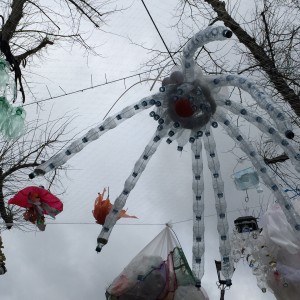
point(259, 54)
point(33, 51)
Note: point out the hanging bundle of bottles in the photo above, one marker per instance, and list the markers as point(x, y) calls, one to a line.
point(12, 119)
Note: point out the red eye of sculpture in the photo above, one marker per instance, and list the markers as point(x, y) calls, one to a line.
point(184, 108)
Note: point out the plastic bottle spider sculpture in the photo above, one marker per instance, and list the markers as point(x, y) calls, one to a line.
point(187, 107)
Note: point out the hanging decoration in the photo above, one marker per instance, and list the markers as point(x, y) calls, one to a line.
point(272, 252)
point(159, 271)
point(246, 179)
point(12, 119)
point(102, 208)
point(247, 243)
point(188, 107)
point(38, 202)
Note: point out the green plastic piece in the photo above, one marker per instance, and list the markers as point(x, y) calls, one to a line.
point(15, 124)
point(184, 275)
point(4, 111)
point(3, 74)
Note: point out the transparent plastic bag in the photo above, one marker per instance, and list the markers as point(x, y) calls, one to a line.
point(190, 293)
point(155, 273)
point(278, 231)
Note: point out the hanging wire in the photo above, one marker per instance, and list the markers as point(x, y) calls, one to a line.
point(124, 224)
point(90, 88)
point(158, 32)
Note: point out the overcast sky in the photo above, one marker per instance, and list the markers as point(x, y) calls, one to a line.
point(61, 263)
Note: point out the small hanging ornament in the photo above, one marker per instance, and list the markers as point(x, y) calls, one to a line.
point(246, 179)
point(12, 119)
point(14, 126)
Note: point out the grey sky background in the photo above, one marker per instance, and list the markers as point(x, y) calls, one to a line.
point(61, 263)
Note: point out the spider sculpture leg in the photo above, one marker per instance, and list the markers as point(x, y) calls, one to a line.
point(264, 126)
point(258, 94)
point(210, 34)
point(130, 183)
point(220, 202)
point(285, 203)
point(94, 133)
point(183, 137)
point(173, 133)
point(198, 208)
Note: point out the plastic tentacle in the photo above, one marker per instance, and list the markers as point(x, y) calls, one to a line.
point(266, 127)
point(198, 209)
point(130, 183)
point(210, 34)
point(258, 94)
point(173, 133)
point(94, 133)
point(283, 200)
point(221, 205)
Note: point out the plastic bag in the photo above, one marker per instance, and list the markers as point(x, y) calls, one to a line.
point(282, 273)
point(155, 273)
point(278, 230)
point(190, 293)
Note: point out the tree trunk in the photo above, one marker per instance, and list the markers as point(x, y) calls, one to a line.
point(13, 20)
point(8, 219)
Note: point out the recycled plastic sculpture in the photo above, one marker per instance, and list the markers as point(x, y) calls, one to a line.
point(188, 106)
point(38, 202)
point(102, 208)
point(272, 251)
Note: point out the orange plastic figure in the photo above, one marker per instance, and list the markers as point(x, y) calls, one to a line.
point(103, 207)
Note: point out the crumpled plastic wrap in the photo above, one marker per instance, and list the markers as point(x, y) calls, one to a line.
point(284, 246)
point(277, 231)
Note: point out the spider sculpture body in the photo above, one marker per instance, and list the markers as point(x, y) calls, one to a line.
point(187, 107)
